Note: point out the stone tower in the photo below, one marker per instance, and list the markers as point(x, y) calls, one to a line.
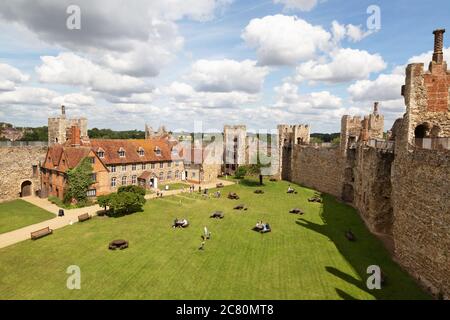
point(59, 127)
point(427, 99)
point(288, 136)
point(234, 139)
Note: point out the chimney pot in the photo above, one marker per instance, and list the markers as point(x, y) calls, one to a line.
point(438, 56)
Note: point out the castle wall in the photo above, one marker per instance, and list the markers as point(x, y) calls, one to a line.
point(16, 166)
point(421, 204)
point(317, 168)
point(372, 188)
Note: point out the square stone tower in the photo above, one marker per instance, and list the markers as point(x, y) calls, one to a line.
point(234, 139)
point(59, 127)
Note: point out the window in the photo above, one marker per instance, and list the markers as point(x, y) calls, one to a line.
point(177, 163)
point(121, 153)
point(161, 165)
point(92, 160)
point(152, 166)
point(101, 154)
point(113, 168)
point(133, 167)
point(133, 179)
point(161, 176)
point(94, 177)
point(91, 193)
point(177, 174)
point(169, 175)
point(141, 152)
point(157, 151)
point(113, 182)
point(124, 167)
point(169, 164)
point(143, 167)
point(193, 175)
point(124, 181)
point(35, 171)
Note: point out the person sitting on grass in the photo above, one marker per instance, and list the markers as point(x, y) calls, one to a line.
point(202, 245)
point(184, 223)
point(290, 189)
point(259, 225)
point(266, 228)
point(175, 223)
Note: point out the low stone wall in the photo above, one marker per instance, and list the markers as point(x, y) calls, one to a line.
point(16, 167)
point(421, 204)
point(317, 168)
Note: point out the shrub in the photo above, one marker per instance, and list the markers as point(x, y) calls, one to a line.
point(78, 180)
point(133, 189)
point(240, 172)
point(123, 203)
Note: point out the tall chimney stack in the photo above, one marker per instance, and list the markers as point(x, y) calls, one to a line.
point(75, 139)
point(63, 111)
point(438, 55)
point(375, 107)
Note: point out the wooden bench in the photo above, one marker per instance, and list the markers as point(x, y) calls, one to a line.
point(83, 217)
point(41, 233)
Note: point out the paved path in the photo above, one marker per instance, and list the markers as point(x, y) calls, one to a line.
point(71, 216)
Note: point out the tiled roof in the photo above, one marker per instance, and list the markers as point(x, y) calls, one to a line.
point(111, 147)
point(73, 155)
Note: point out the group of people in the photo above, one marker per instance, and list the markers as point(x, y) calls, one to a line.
point(262, 227)
point(183, 223)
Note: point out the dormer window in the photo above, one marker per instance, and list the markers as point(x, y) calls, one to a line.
point(100, 153)
point(174, 151)
point(157, 151)
point(141, 152)
point(121, 153)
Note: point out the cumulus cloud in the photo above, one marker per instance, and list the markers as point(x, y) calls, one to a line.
point(74, 99)
point(10, 76)
point(137, 38)
point(302, 5)
point(426, 57)
point(384, 87)
point(351, 32)
point(314, 102)
point(184, 96)
point(28, 96)
point(285, 40)
point(227, 75)
point(70, 69)
point(346, 65)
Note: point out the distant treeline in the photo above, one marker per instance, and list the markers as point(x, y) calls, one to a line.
point(324, 137)
point(96, 133)
point(34, 134)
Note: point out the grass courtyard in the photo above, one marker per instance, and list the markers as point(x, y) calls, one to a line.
point(18, 213)
point(304, 257)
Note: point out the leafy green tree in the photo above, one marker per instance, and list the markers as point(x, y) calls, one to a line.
point(132, 188)
point(240, 172)
point(336, 141)
point(78, 180)
point(125, 203)
point(104, 201)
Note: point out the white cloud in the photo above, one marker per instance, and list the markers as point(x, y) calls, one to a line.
point(137, 38)
point(28, 96)
point(10, 76)
point(185, 96)
point(227, 75)
point(384, 87)
point(74, 99)
point(351, 32)
point(346, 64)
point(285, 40)
point(314, 102)
point(70, 69)
point(426, 57)
point(302, 5)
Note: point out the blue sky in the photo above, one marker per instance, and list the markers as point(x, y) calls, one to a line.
point(259, 63)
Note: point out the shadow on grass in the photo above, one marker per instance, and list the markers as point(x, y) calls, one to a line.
point(365, 251)
point(250, 183)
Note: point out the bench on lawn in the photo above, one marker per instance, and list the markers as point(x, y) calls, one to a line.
point(41, 233)
point(83, 217)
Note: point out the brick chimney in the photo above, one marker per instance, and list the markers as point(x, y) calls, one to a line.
point(75, 139)
point(438, 55)
point(63, 111)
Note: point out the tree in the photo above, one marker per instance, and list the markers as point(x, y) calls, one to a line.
point(240, 172)
point(132, 188)
point(125, 203)
point(78, 180)
point(104, 201)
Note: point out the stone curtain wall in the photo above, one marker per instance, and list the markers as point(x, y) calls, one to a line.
point(372, 186)
point(317, 168)
point(16, 166)
point(421, 203)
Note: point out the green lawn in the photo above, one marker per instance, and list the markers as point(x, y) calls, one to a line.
point(304, 257)
point(18, 213)
point(174, 186)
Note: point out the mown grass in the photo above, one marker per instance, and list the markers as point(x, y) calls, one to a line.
point(18, 213)
point(304, 257)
